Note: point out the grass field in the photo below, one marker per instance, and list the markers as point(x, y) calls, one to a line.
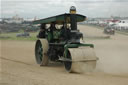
point(12, 36)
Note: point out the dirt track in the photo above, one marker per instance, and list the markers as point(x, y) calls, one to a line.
point(18, 66)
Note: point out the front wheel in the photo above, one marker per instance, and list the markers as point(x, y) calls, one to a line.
point(67, 64)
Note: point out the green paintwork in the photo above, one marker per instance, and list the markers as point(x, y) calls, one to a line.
point(40, 53)
point(49, 37)
point(60, 19)
point(40, 50)
point(56, 34)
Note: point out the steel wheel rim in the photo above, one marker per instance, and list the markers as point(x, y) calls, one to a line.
point(38, 52)
point(68, 64)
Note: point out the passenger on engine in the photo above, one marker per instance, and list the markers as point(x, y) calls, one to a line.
point(42, 31)
point(52, 27)
point(68, 31)
point(53, 32)
point(65, 32)
point(62, 34)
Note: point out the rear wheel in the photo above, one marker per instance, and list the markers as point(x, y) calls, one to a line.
point(38, 52)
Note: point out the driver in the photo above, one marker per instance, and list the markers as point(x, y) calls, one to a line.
point(42, 31)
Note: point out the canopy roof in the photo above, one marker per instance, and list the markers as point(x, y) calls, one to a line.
point(59, 19)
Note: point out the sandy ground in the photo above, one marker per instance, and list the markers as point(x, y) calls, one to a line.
point(18, 66)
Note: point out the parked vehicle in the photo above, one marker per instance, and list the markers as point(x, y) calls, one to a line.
point(25, 34)
point(109, 30)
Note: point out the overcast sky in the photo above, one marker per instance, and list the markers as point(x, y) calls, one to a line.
point(46, 8)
